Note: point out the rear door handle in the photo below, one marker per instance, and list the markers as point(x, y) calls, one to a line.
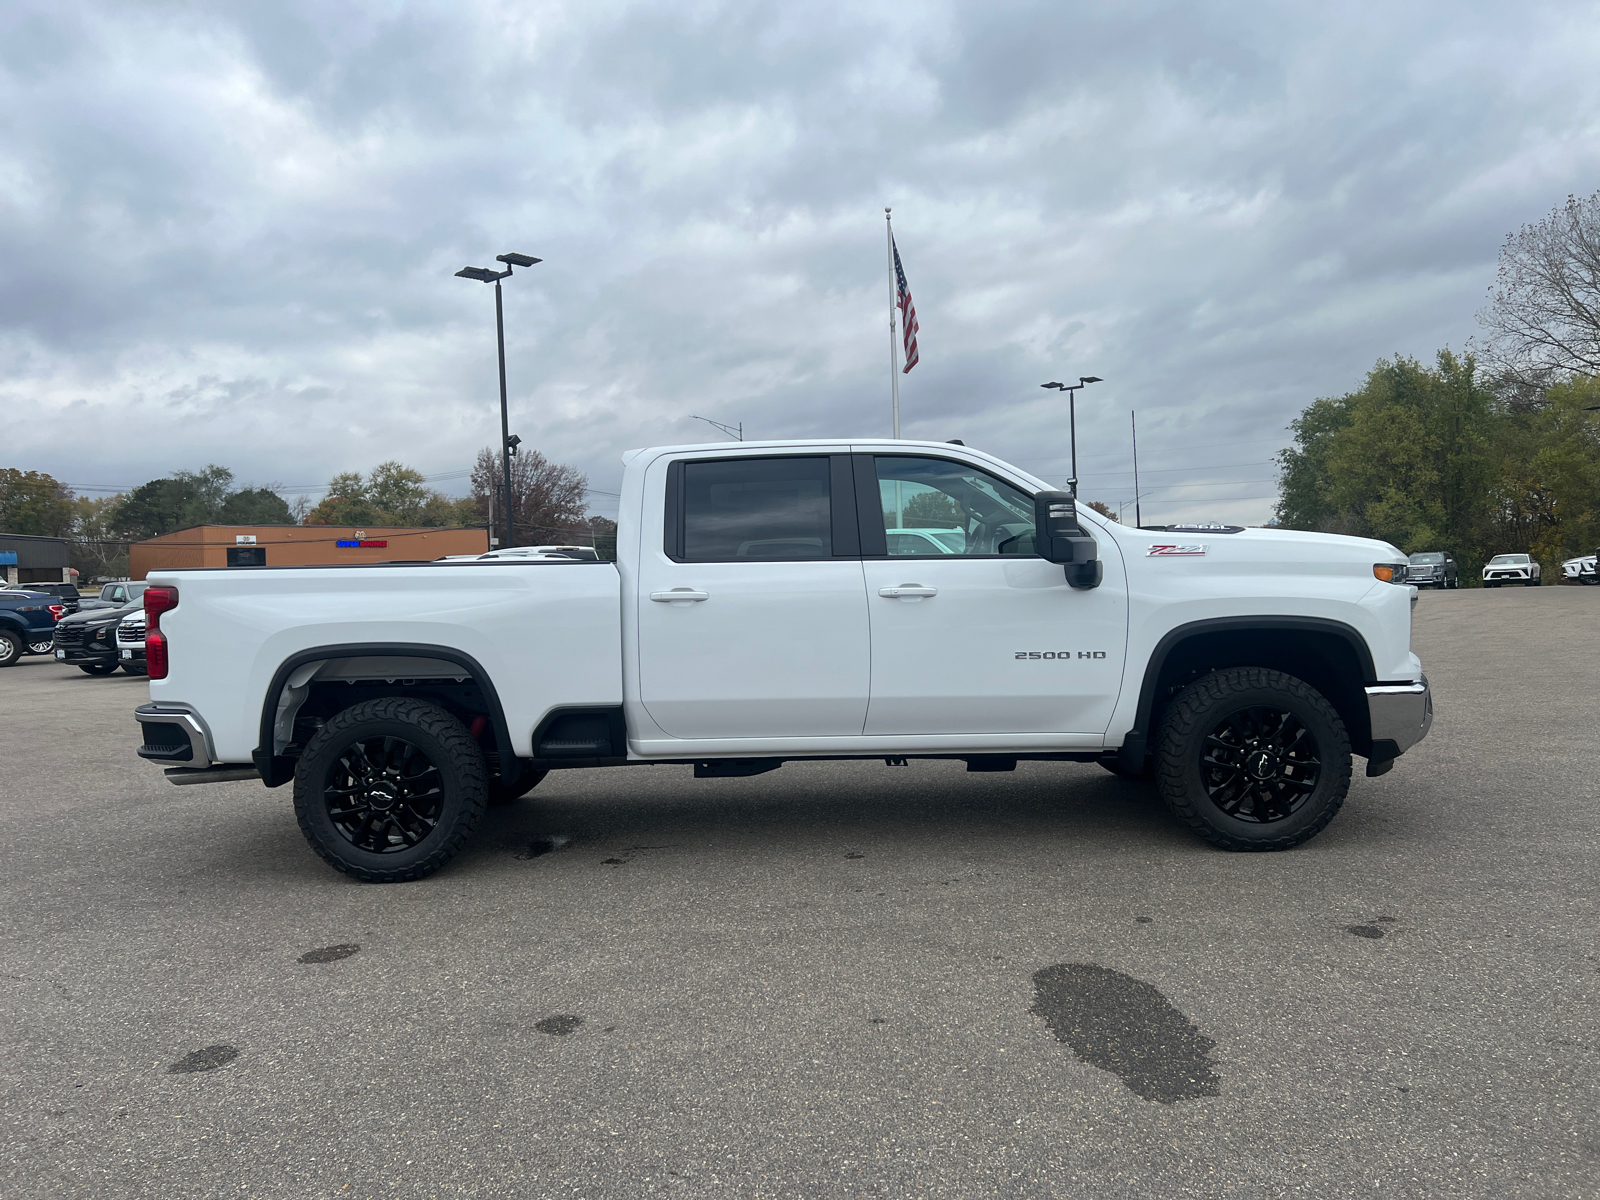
point(907, 590)
point(679, 596)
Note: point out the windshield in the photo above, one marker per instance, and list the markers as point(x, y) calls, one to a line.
point(1508, 560)
point(1427, 558)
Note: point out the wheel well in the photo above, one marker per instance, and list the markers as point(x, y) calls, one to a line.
point(1325, 654)
point(313, 685)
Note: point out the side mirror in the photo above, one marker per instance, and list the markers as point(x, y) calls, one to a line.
point(1059, 538)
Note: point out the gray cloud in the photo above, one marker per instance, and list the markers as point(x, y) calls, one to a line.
point(228, 234)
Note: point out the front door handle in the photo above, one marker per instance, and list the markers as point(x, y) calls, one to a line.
point(679, 596)
point(907, 591)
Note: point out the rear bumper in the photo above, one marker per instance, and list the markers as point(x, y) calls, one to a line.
point(1401, 715)
point(173, 734)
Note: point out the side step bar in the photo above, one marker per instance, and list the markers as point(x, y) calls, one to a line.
point(222, 774)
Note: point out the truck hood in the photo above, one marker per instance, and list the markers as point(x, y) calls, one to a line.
point(1286, 545)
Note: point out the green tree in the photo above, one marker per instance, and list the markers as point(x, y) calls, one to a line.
point(256, 506)
point(180, 501)
point(97, 549)
point(393, 494)
point(34, 503)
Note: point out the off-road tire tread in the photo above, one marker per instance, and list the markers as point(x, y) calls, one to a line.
point(1180, 724)
point(465, 757)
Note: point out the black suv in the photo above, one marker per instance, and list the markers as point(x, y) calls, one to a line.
point(1432, 568)
point(88, 640)
point(27, 624)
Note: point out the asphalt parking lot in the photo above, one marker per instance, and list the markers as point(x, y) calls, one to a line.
point(838, 979)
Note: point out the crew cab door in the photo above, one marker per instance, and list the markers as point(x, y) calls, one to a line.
point(752, 612)
point(979, 637)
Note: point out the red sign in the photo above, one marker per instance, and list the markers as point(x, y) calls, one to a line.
point(378, 545)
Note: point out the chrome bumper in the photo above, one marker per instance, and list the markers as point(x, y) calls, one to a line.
point(1401, 715)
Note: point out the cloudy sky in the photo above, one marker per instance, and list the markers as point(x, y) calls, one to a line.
point(228, 232)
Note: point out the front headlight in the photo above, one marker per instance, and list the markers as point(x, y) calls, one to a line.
point(1390, 572)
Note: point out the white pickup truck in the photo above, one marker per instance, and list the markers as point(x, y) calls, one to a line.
point(764, 608)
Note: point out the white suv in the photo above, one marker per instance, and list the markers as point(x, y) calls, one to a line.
point(1511, 568)
point(1579, 570)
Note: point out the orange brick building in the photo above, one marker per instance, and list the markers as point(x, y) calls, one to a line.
point(297, 546)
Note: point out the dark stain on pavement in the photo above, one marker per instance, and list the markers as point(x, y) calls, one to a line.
point(558, 1026)
point(855, 854)
point(546, 844)
point(329, 953)
point(1125, 1026)
point(1366, 931)
point(208, 1059)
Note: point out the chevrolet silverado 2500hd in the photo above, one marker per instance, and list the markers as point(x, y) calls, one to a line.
point(761, 609)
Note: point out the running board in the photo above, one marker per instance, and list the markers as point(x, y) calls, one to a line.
point(227, 774)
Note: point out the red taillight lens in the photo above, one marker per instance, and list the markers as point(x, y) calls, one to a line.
point(57, 611)
point(157, 600)
point(155, 654)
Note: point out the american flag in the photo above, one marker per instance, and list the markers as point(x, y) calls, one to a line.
point(908, 312)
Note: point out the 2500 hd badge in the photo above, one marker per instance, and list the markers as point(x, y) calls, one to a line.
point(1058, 654)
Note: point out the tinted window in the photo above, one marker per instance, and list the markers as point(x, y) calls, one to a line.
point(1421, 559)
point(752, 509)
point(932, 506)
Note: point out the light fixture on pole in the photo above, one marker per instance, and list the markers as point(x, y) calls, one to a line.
point(1071, 389)
point(508, 446)
point(736, 432)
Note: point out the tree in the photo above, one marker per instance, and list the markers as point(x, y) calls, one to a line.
point(96, 549)
point(603, 535)
point(256, 506)
point(180, 501)
point(1432, 459)
point(34, 503)
point(1543, 316)
point(393, 494)
point(549, 499)
point(1103, 509)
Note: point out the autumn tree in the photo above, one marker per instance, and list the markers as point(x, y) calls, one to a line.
point(549, 499)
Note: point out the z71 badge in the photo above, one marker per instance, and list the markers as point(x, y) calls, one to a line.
point(1174, 550)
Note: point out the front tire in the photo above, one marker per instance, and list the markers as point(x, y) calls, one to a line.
point(1252, 759)
point(11, 648)
point(390, 790)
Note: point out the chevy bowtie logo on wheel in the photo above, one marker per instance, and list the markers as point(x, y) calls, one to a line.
point(1173, 550)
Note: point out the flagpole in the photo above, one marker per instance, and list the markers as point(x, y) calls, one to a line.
point(894, 362)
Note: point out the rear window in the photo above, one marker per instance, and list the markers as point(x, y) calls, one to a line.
point(753, 509)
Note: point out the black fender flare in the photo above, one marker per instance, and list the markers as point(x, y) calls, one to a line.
point(1136, 741)
point(277, 769)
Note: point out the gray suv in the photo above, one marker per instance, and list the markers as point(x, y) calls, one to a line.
point(1433, 568)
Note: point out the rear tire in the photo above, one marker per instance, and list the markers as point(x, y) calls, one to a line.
point(11, 648)
point(1252, 759)
point(41, 647)
point(390, 790)
point(97, 668)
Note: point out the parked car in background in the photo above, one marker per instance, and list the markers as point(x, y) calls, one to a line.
point(1511, 568)
point(66, 593)
point(88, 640)
point(130, 642)
point(1433, 568)
point(113, 595)
point(27, 624)
point(925, 541)
point(1579, 570)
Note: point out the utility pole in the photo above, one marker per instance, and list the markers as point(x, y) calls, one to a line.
point(1138, 521)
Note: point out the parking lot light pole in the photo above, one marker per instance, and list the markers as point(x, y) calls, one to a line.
point(1071, 389)
point(507, 446)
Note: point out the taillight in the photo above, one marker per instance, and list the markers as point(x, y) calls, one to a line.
point(157, 600)
point(155, 654)
point(57, 611)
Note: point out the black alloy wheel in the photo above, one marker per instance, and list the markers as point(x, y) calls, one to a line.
point(1253, 759)
point(390, 789)
point(1260, 764)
